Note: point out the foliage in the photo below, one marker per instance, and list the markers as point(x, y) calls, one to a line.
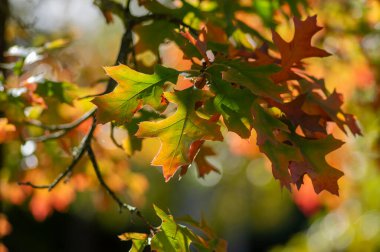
point(274, 84)
point(234, 78)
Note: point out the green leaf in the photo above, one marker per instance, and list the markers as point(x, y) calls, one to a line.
point(181, 13)
point(133, 91)
point(62, 91)
point(151, 36)
point(179, 131)
point(139, 241)
point(133, 143)
point(172, 237)
point(255, 78)
point(234, 105)
point(279, 153)
point(265, 9)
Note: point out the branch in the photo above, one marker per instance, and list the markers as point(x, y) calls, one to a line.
point(78, 154)
point(44, 138)
point(156, 16)
point(66, 126)
point(125, 49)
point(121, 204)
point(61, 129)
point(112, 136)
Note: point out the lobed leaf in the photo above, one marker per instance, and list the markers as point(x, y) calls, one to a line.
point(134, 90)
point(179, 131)
point(299, 48)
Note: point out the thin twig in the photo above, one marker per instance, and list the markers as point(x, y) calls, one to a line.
point(112, 136)
point(78, 154)
point(65, 126)
point(50, 136)
point(121, 204)
point(60, 129)
point(156, 16)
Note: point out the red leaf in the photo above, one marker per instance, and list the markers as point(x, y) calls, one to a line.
point(299, 48)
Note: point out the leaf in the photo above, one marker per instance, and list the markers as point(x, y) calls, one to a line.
point(213, 242)
point(255, 78)
point(312, 125)
point(200, 44)
point(198, 154)
point(204, 167)
point(157, 7)
point(299, 48)
point(172, 237)
point(332, 107)
point(160, 30)
point(279, 153)
point(133, 91)
point(292, 155)
point(265, 9)
point(139, 241)
point(323, 175)
point(179, 131)
point(62, 91)
point(234, 105)
point(133, 143)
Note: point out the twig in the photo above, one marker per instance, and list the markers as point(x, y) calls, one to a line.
point(156, 16)
point(78, 154)
point(44, 138)
point(121, 204)
point(66, 126)
point(60, 129)
point(112, 136)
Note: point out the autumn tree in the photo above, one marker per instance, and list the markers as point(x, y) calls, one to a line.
point(234, 76)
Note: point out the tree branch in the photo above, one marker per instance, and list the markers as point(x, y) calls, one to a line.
point(125, 49)
point(66, 126)
point(60, 129)
point(121, 204)
point(168, 18)
point(78, 154)
point(112, 136)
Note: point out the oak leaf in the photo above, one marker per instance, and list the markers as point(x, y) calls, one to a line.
point(323, 175)
point(139, 241)
point(299, 48)
point(134, 90)
point(280, 154)
point(178, 131)
point(198, 154)
point(255, 78)
point(234, 105)
point(332, 107)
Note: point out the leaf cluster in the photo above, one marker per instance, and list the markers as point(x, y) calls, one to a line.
point(234, 88)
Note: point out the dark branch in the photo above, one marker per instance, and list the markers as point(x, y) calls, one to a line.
point(168, 18)
point(124, 51)
point(112, 136)
point(78, 154)
point(121, 204)
point(66, 126)
point(60, 129)
point(44, 138)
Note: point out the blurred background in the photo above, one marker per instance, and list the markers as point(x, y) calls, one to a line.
point(243, 204)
